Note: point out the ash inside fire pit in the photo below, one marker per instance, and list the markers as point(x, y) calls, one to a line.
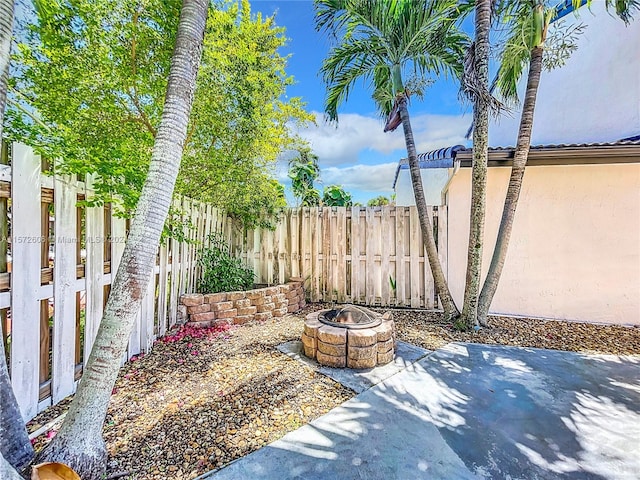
point(350, 316)
point(351, 336)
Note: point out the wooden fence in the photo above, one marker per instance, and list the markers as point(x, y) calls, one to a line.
point(369, 256)
point(58, 259)
point(56, 267)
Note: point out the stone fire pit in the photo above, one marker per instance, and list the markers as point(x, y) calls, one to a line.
point(349, 336)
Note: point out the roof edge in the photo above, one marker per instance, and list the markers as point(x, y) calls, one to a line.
point(561, 155)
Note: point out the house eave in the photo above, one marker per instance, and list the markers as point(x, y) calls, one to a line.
point(560, 155)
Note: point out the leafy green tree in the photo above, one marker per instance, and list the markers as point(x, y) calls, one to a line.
point(394, 46)
point(379, 201)
point(524, 49)
point(336, 196)
point(303, 172)
point(240, 118)
point(79, 442)
point(96, 74)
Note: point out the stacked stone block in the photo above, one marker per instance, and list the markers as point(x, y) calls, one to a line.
point(294, 295)
point(354, 348)
point(240, 307)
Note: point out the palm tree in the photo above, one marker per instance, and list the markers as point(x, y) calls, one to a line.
point(7, 471)
point(381, 42)
point(14, 441)
point(79, 443)
point(525, 47)
point(475, 83)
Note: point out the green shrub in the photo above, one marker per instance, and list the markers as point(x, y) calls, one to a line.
point(221, 272)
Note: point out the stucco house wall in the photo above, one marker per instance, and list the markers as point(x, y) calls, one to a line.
point(575, 248)
point(595, 96)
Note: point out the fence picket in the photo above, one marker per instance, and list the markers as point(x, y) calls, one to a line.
point(355, 256)
point(64, 292)
point(385, 254)
point(174, 252)
point(316, 271)
point(94, 273)
point(294, 243)
point(341, 254)
point(25, 285)
point(400, 280)
point(370, 252)
point(416, 247)
point(163, 278)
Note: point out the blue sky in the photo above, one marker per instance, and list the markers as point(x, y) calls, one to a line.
point(356, 153)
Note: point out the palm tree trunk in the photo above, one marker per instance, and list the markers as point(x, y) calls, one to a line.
point(15, 446)
point(79, 443)
point(479, 169)
point(450, 310)
point(520, 157)
point(7, 472)
point(14, 441)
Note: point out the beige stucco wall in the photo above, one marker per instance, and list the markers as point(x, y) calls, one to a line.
point(575, 249)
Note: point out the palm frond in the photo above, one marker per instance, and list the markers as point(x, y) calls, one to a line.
point(471, 87)
point(415, 38)
point(516, 50)
point(383, 93)
point(625, 9)
point(344, 66)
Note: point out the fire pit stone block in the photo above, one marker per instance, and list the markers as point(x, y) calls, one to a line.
point(333, 335)
point(361, 353)
point(333, 350)
point(384, 331)
point(363, 338)
point(385, 346)
point(311, 327)
point(386, 357)
point(330, 360)
point(362, 362)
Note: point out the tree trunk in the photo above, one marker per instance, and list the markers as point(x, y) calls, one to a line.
point(14, 441)
point(7, 472)
point(79, 442)
point(450, 310)
point(15, 446)
point(520, 157)
point(479, 168)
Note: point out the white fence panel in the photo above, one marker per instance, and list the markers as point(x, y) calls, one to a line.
point(94, 274)
point(25, 282)
point(64, 292)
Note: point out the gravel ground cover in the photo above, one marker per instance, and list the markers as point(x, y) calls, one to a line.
point(204, 397)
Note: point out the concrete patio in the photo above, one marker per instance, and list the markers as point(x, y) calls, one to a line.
point(472, 411)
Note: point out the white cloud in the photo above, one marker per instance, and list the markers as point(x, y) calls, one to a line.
point(342, 144)
point(370, 178)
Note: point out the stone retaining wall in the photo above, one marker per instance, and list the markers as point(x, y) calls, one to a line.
point(240, 307)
